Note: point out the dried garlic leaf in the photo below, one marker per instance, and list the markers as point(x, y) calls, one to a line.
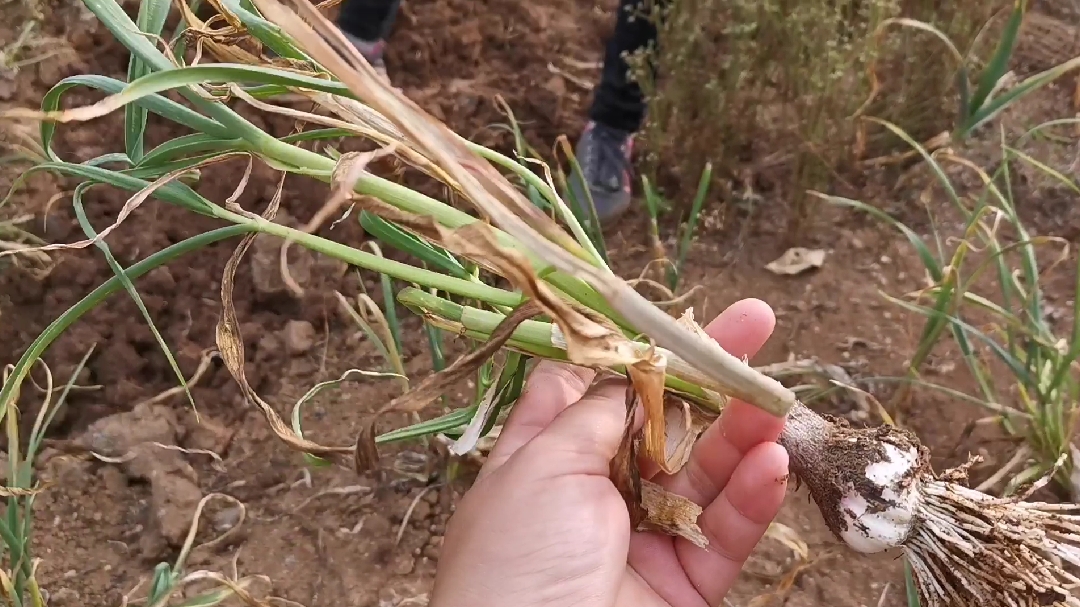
point(647, 378)
point(588, 343)
point(683, 428)
point(797, 260)
point(134, 202)
point(231, 343)
point(471, 435)
point(789, 538)
point(687, 320)
point(24, 491)
point(624, 466)
point(433, 386)
point(670, 514)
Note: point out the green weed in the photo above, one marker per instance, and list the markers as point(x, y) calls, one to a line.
point(1039, 401)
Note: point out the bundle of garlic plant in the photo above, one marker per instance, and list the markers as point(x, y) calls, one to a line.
point(875, 487)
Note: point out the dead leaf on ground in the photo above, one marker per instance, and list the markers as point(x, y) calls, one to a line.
point(231, 343)
point(797, 260)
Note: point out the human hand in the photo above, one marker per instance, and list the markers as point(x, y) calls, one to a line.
point(544, 526)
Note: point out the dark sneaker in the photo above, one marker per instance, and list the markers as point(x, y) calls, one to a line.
point(372, 51)
point(604, 156)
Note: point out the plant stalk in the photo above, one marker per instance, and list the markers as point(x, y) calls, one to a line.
point(804, 431)
point(322, 167)
point(542, 339)
point(377, 263)
point(306, 162)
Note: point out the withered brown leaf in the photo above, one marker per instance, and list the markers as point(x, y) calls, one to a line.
point(433, 386)
point(624, 471)
point(671, 514)
point(231, 343)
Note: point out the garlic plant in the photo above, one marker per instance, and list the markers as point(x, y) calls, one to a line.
point(876, 491)
point(874, 487)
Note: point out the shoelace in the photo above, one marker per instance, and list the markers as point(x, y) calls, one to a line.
point(606, 156)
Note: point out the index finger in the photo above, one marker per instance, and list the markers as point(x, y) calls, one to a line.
point(551, 388)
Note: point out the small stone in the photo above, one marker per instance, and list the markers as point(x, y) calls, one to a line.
point(299, 337)
point(268, 346)
point(377, 526)
point(115, 435)
point(403, 564)
point(207, 434)
point(160, 278)
point(7, 87)
point(227, 518)
point(431, 552)
point(174, 501)
point(63, 596)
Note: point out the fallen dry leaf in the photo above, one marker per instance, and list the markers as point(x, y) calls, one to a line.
point(797, 260)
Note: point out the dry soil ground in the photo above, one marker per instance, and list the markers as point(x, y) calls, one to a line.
point(332, 539)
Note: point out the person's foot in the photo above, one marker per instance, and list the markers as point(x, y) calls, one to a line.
point(604, 156)
point(372, 52)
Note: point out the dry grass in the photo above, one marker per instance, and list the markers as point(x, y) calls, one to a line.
point(772, 87)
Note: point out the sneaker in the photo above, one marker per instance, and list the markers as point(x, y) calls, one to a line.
point(604, 156)
point(372, 52)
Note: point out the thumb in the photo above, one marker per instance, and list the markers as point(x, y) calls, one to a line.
point(585, 436)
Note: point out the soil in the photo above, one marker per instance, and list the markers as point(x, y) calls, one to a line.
point(321, 536)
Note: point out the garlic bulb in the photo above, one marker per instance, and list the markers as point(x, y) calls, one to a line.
point(887, 518)
point(876, 490)
point(865, 481)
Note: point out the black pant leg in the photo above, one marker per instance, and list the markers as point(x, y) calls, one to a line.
point(368, 20)
point(618, 101)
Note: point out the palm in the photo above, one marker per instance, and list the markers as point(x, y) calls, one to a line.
point(545, 517)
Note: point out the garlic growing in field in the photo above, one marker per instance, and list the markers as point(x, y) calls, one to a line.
point(876, 490)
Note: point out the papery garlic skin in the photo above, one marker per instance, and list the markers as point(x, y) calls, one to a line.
point(888, 523)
